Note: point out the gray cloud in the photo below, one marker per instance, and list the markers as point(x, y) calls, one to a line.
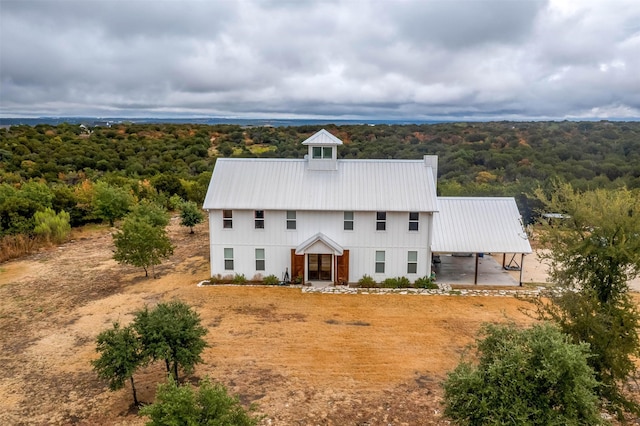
point(380, 59)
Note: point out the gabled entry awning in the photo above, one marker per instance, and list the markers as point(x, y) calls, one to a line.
point(319, 243)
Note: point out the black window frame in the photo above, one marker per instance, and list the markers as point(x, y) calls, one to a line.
point(381, 221)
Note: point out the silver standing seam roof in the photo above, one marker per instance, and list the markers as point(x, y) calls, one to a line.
point(479, 225)
point(356, 185)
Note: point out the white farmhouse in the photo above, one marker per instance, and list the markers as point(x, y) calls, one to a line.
point(320, 218)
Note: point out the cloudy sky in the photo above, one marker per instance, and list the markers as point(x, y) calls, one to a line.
point(386, 59)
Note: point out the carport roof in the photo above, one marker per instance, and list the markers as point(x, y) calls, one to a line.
point(479, 225)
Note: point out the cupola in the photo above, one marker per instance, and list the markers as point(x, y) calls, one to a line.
point(323, 151)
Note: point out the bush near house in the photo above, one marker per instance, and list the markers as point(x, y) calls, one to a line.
point(367, 282)
point(270, 280)
point(426, 282)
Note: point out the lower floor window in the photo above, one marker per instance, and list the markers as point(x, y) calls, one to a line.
point(228, 259)
point(380, 262)
point(412, 262)
point(259, 259)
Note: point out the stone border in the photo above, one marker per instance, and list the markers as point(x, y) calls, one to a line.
point(446, 290)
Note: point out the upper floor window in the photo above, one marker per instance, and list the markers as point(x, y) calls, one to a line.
point(412, 262)
point(291, 219)
point(348, 221)
point(381, 221)
point(259, 259)
point(322, 152)
point(259, 218)
point(228, 259)
point(227, 219)
point(413, 221)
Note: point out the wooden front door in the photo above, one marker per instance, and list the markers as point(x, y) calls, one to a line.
point(342, 268)
point(319, 267)
point(297, 267)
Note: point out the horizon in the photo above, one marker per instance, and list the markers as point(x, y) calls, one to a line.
point(415, 60)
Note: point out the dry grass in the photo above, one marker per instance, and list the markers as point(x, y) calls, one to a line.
point(302, 358)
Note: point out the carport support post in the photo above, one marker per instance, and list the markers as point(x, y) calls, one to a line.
point(475, 278)
point(521, 267)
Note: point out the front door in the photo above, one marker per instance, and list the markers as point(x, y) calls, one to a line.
point(319, 267)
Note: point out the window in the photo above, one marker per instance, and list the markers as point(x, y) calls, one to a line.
point(259, 259)
point(228, 259)
point(381, 221)
point(259, 216)
point(379, 262)
point(412, 262)
point(291, 220)
point(227, 219)
point(348, 221)
point(325, 152)
point(413, 221)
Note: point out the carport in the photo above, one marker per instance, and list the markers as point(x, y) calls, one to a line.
point(469, 227)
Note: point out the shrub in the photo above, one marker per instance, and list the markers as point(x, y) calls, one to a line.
point(399, 282)
point(367, 282)
point(271, 280)
point(239, 279)
point(529, 376)
point(426, 282)
point(210, 404)
point(52, 227)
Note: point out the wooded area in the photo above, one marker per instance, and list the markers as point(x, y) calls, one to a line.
point(73, 168)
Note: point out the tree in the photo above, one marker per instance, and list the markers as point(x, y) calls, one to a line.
point(593, 252)
point(531, 376)
point(209, 405)
point(171, 331)
point(154, 213)
point(140, 243)
point(120, 356)
point(110, 203)
point(190, 215)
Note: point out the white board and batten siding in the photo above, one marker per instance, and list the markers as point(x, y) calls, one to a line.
point(362, 242)
point(319, 189)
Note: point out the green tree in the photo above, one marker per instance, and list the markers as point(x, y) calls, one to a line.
point(171, 331)
point(154, 213)
point(190, 215)
point(531, 376)
point(120, 356)
point(140, 243)
point(210, 405)
point(51, 226)
point(110, 203)
point(593, 253)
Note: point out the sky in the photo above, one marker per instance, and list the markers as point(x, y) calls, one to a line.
point(379, 59)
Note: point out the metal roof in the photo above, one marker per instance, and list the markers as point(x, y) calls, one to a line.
point(479, 225)
point(356, 185)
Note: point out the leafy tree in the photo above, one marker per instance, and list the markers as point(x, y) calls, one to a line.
point(210, 405)
point(53, 227)
point(169, 184)
point(140, 243)
point(171, 331)
point(110, 203)
point(593, 253)
point(190, 215)
point(154, 213)
point(529, 376)
point(120, 356)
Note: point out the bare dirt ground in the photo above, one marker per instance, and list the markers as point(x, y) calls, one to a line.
point(301, 358)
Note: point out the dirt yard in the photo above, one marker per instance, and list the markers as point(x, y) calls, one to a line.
point(301, 358)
